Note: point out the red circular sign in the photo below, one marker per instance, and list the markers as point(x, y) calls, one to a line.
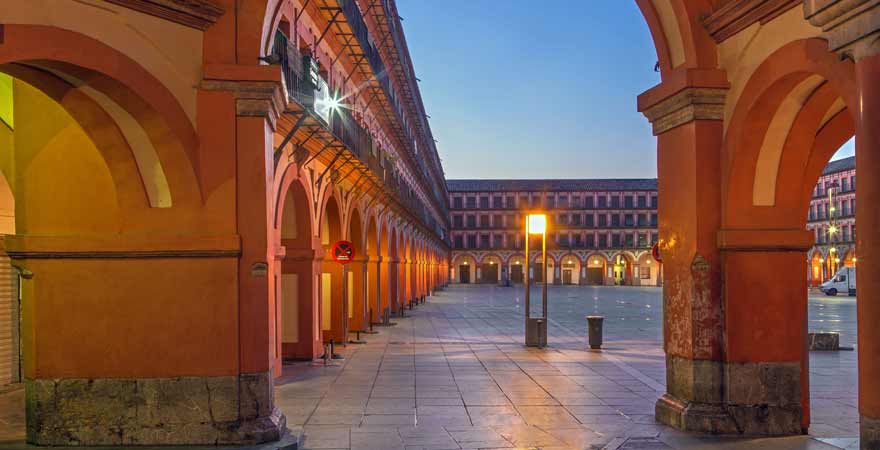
point(655, 252)
point(343, 252)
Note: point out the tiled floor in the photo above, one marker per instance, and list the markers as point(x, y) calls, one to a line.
point(454, 374)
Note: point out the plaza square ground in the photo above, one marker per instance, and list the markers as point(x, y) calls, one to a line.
point(453, 374)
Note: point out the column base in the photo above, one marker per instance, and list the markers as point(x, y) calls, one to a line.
point(694, 417)
point(153, 411)
point(869, 429)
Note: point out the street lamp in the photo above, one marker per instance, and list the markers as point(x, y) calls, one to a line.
point(536, 329)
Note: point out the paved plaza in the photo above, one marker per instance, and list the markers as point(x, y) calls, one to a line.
point(453, 374)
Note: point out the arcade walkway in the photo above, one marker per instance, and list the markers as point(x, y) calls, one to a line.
point(453, 374)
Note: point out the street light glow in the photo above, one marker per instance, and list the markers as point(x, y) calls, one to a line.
point(832, 229)
point(537, 223)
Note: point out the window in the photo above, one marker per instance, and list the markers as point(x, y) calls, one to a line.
point(643, 220)
point(484, 202)
point(563, 201)
point(629, 240)
point(603, 220)
point(550, 202)
point(603, 201)
point(484, 241)
point(643, 202)
point(471, 202)
point(576, 202)
point(644, 272)
point(576, 220)
point(456, 202)
point(615, 220)
point(496, 202)
point(471, 221)
point(578, 241)
point(457, 221)
point(591, 241)
point(628, 202)
point(523, 201)
point(589, 220)
point(643, 240)
point(510, 204)
point(654, 220)
point(654, 238)
point(588, 202)
point(563, 240)
point(459, 242)
point(484, 221)
point(497, 221)
point(628, 220)
point(563, 219)
point(536, 201)
point(852, 182)
point(615, 240)
point(603, 241)
point(499, 241)
point(844, 184)
point(472, 241)
point(615, 201)
point(654, 201)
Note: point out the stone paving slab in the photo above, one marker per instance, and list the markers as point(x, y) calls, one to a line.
point(453, 374)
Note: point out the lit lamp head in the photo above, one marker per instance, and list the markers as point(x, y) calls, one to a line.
point(832, 229)
point(537, 223)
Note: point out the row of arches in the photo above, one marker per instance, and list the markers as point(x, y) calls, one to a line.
point(566, 268)
point(321, 300)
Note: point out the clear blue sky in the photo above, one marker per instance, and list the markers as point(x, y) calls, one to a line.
point(525, 89)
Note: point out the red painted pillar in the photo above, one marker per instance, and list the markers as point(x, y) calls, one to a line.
point(374, 291)
point(868, 247)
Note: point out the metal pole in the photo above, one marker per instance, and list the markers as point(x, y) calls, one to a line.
point(527, 278)
point(544, 263)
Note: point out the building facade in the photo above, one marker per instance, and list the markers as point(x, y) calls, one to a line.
point(832, 221)
point(175, 177)
point(600, 231)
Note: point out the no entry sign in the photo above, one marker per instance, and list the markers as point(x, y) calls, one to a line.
point(655, 252)
point(343, 252)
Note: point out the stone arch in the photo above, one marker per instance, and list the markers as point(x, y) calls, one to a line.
point(95, 82)
point(464, 263)
point(490, 268)
point(801, 91)
point(570, 267)
point(295, 285)
point(333, 287)
point(622, 264)
point(679, 36)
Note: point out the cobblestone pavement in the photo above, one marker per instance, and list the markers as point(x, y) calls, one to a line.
point(453, 374)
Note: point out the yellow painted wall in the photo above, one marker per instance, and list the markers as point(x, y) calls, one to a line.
point(59, 177)
point(170, 51)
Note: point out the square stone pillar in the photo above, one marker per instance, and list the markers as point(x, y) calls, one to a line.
point(687, 113)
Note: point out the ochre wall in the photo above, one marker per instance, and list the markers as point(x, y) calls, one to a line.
point(126, 316)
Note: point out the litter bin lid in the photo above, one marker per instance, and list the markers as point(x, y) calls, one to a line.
point(595, 317)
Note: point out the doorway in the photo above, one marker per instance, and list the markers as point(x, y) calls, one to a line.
point(489, 273)
point(566, 276)
point(594, 276)
point(516, 273)
point(464, 274)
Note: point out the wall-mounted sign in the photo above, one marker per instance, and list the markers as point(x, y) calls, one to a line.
point(343, 252)
point(655, 252)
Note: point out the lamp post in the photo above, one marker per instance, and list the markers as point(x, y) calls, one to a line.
point(832, 229)
point(536, 329)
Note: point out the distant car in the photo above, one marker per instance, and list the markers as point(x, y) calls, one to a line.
point(843, 281)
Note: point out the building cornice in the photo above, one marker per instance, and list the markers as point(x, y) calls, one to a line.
point(688, 105)
point(737, 15)
point(198, 14)
point(852, 27)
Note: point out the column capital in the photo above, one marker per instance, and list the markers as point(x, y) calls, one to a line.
point(685, 106)
point(852, 27)
point(258, 90)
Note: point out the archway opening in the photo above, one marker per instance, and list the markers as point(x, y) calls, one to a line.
point(333, 287)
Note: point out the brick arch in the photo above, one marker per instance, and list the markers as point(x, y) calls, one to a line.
point(680, 39)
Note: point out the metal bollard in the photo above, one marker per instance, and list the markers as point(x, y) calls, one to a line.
point(594, 331)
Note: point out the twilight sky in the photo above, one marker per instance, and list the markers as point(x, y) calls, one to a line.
point(525, 89)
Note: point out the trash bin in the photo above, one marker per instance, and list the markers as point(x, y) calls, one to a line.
point(594, 331)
